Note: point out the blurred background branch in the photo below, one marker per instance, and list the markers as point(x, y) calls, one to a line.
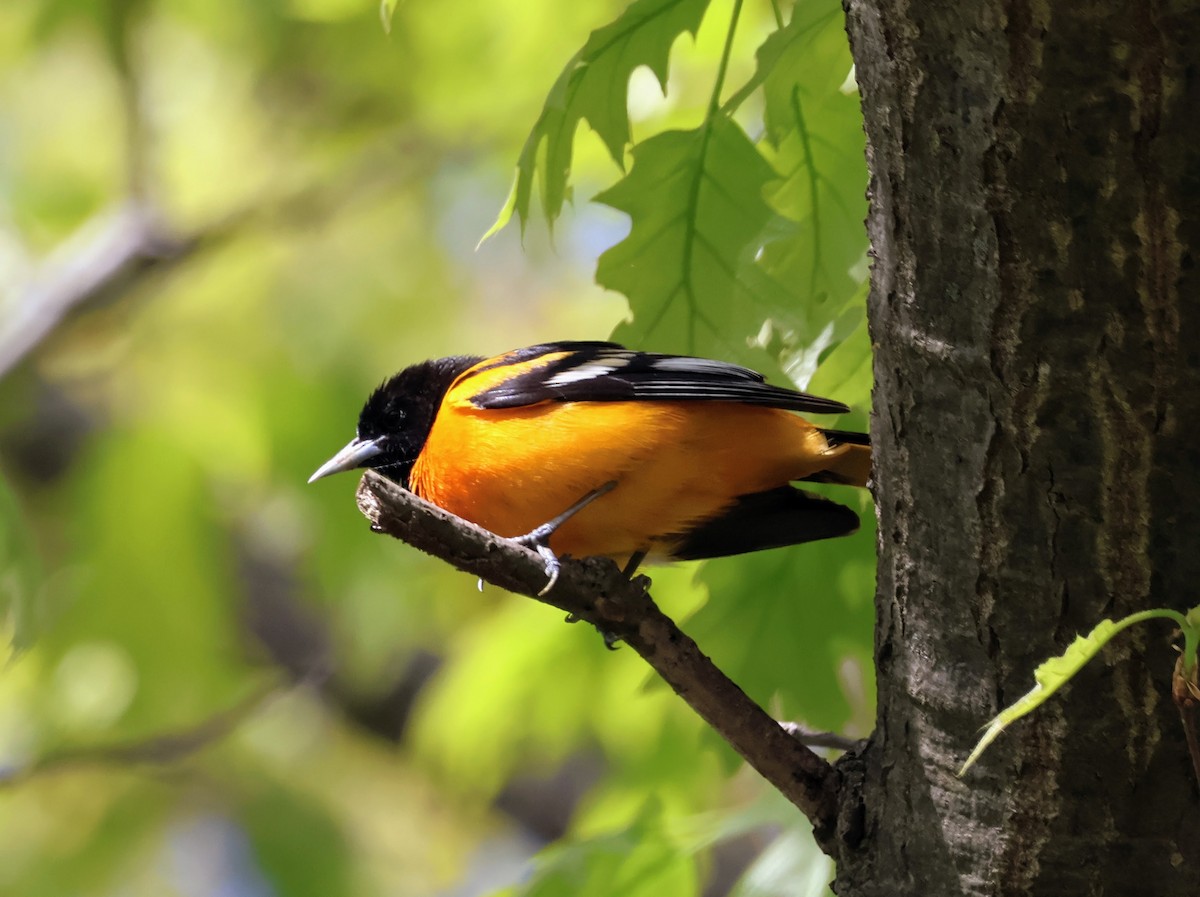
point(99, 262)
point(157, 750)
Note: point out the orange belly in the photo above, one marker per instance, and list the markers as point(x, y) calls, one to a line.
point(675, 464)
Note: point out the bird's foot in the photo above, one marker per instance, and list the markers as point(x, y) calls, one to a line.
point(539, 538)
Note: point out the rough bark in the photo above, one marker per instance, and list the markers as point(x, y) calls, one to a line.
point(1035, 310)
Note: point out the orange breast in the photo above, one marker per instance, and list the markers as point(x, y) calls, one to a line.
point(675, 464)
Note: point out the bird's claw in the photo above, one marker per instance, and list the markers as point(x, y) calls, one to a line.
point(537, 541)
point(553, 567)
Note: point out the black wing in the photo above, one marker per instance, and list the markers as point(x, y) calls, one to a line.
point(607, 372)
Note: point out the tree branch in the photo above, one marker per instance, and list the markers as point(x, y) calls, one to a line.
point(595, 590)
point(122, 245)
point(111, 248)
point(159, 749)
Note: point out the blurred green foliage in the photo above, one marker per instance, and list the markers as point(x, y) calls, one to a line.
point(221, 223)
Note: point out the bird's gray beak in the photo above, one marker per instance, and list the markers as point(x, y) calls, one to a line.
point(356, 454)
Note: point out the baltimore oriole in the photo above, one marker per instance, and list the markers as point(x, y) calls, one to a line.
point(587, 448)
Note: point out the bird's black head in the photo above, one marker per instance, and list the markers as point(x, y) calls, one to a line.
point(395, 421)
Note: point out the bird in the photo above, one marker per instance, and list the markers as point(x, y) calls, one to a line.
point(586, 448)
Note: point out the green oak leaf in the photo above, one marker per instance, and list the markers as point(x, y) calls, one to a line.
point(815, 141)
point(643, 859)
point(594, 87)
point(688, 265)
point(811, 52)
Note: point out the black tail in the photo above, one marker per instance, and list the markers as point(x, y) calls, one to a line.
point(771, 519)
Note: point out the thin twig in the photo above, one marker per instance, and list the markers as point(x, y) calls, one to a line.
point(158, 750)
point(593, 589)
point(812, 739)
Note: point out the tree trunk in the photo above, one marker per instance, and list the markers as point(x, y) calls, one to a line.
point(1035, 310)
